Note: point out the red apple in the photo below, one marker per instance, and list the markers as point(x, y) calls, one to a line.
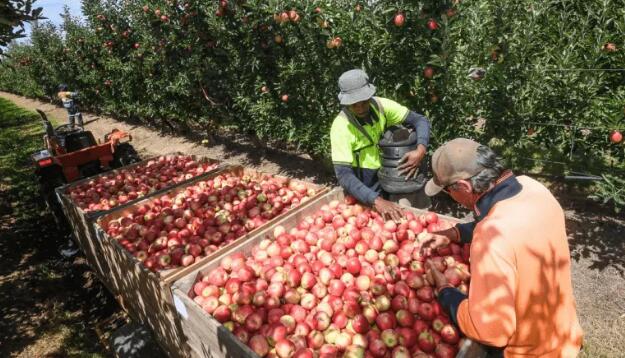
point(399, 19)
point(386, 320)
point(259, 345)
point(360, 324)
point(426, 311)
point(445, 351)
point(389, 337)
point(426, 341)
point(432, 24)
point(428, 72)
point(450, 334)
point(285, 348)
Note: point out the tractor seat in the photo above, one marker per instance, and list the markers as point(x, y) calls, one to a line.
point(78, 140)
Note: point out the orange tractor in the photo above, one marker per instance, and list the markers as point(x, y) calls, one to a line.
point(72, 153)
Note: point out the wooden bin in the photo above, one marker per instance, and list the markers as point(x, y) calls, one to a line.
point(147, 295)
point(205, 336)
point(82, 223)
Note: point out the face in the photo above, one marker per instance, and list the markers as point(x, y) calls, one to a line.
point(462, 192)
point(360, 109)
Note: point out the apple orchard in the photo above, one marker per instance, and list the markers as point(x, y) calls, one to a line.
point(269, 70)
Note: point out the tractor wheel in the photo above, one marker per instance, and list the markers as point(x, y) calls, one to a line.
point(125, 154)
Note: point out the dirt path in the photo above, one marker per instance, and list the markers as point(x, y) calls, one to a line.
point(151, 142)
point(596, 236)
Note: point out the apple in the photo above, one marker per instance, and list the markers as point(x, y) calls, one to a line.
point(360, 324)
point(259, 345)
point(428, 72)
point(445, 351)
point(399, 19)
point(432, 24)
point(449, 334)
point(426, 341)
point(389, 337)
point(284, 348)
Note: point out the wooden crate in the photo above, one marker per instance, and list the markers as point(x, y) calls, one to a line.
point(147, 295)
point(205, 336)
point(82, 223)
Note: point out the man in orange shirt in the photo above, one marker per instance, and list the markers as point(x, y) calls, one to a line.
point(520, 298)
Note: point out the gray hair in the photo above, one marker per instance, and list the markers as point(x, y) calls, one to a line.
point(493, 169)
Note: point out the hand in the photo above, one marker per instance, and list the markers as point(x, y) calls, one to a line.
point(438, 278)
point(431, 241)
point(409, 163)
point(388, 209)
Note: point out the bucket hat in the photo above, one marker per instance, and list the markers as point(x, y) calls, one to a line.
point(355, 87)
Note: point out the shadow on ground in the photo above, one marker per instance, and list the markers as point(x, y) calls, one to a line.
point(47, 302)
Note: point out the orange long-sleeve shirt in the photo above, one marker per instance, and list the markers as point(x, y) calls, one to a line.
point(521, 295)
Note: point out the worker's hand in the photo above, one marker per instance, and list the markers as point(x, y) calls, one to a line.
point(388, 209)
point(431, 241)
point(436, 277)
point(409, 163)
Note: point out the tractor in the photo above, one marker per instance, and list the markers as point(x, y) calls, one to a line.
point(71, 153)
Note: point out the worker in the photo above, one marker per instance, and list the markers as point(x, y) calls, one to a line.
point(354, 137)
point(69, 102)
point(520, 300)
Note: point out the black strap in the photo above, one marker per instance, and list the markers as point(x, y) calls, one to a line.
point(352, 119)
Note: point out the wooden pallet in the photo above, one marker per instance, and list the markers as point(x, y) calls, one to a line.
point(206, 337)
point(147, 295)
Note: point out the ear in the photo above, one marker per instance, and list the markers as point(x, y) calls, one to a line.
point(464, 186)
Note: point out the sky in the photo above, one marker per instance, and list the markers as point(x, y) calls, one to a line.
point(53, 8)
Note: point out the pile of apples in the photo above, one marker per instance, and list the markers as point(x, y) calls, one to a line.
point(177, 230)
point(108, 191)
point(343, 282)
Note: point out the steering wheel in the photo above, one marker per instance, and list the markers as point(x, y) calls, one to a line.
point(67, 128)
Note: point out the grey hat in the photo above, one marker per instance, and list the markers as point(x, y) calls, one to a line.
point(355, 87)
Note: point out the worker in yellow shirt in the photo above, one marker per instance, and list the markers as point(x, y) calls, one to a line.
point(520, 299)
point(355, 134)
point(69, 102)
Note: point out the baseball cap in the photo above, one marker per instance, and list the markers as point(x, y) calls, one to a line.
point(355, 87)
point(455, 160)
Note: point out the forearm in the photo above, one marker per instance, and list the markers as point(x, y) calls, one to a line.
point(350, 183)
point(450, 299)
point(421, 126)
point(465, 232)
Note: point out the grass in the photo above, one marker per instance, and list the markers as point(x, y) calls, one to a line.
point(47, 303)
point(18, 132)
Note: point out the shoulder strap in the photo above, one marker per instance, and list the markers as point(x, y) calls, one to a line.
point(352, 119)
point(377, 104)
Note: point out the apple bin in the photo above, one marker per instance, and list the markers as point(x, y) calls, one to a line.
point(154, 224)
point(221, 281)
point(82, 218)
